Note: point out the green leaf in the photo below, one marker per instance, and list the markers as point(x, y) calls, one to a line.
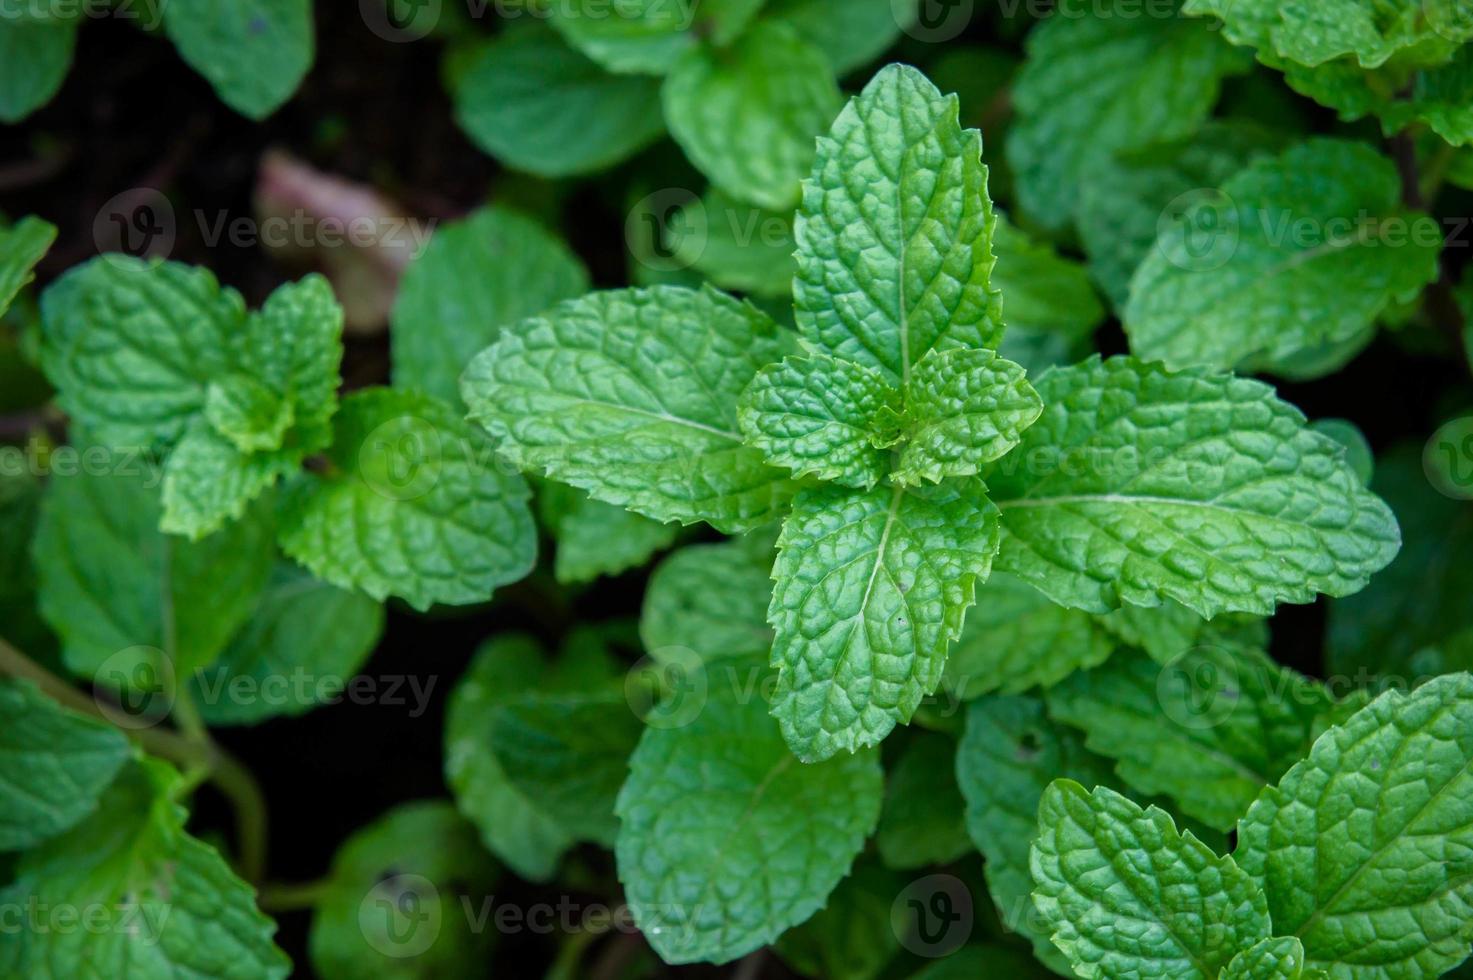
point(248, 413)
point(254, 52)
point(872, 587)
point(1052, 310)
point(726, 841)
point(303, 643)
point(293, 345)
point(1363, 847)
point(823, 417)
point(1269, 959)
point(1298, 251)
point(1100, 78)
point(632, 396)
point(54, 764)
point(1209, 729)
point(1008, 756)
point(737, 246)
point(850, 938)
point(1167, 631)
point(133, 346)
point(894, 232)
point(647, 36)
point(20, 511)
point(1139, 484)
point(22, 245)
point(402, 898)
point(966, 408)
point(209, 482)
point(851, 33)
point(1017, 638)
point(921, 823)
point(747, 115)
point(171, 906)
point(111, 582)
point(475, 278)
point(1126, 895)
point(414, 505)
point(537, 105)
point(595, 538)
point(35, 57)
point(712, 599)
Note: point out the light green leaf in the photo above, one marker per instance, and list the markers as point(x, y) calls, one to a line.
point(1008, 756)
point(595, 538)
point(1139, 484)
point(648, 36)
point(737, 246)
point(1126, 895)
point(850, 938)
point(726, 840)
point(1298, 251)
point(172, 907)
point(209, 482)
point(894, 231)
point(632, 396)
point(254, 52)
point(1269, 959)
point(713, 599)
point(22, 245)
point(872, 587)
point(1364, 847)
point(1052, 309)
point(1100, 78)
point(111, 582)
point(823, 417)
point(401, 900)
point(921, 823)
point(294, 345)
point(537, 105)
point(35, 57)
point(414, 504)
point(1209, 730)
point(1167, 631)
point(1017, 638)
point(747, 115)
point(851, 33)
point(304, 642)
point(54, 764)
point(248, 413)
point(966, 408)
point(475, 278)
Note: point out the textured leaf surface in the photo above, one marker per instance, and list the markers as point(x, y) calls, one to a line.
point(726, 840)
point(966, 408)
point(254, 52)
point(1364, 847)
point(894, 231)
point(539, 106)
point(171, 906)
point(1126, 895)
point(208, 482)
point(1298, 251)
point(872, 587)
point(747, 115)
point(1101, 78)
point(54, 764)
point(713, 599)
point(823, 417)
point(21, 247)
point(632, 395)
point(416, 506)
point(1138, 484)
point(1209, 730)
point(35, 57)
point(1281, 958)
point(921, 823)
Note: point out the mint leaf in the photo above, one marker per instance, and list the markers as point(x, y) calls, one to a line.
point(35, 56)
point(248, 413)
point(1052, 310)
point(1264, 287)
point(747, 115)
point(305, 640)
point(1007, 757)
point(894, 231)
point(851, 33)
point(475, 278)
point(823, 417)
point(1167, 631)
point(713, 599)
point(966, 408)
point(1269, 959)
point(1138, 484)
point(1363, 846)
point(1017, 638)
point(22, 245)
point(921, 822)
point(293, 345)
point(54, 764)
point(872, 587)
point(851, 937)
point(209, 482)
point(737, 246)
point(173, 907)
point(110, 583)
point(1099, 78)
point(637, 36)
point(254, 52)
point(401, 899)
point(726, 841)
point(632, 396)
point(414, 505)
point(1209, 729)
point(595, 538)
point(1101, 862)
point(537, 105)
